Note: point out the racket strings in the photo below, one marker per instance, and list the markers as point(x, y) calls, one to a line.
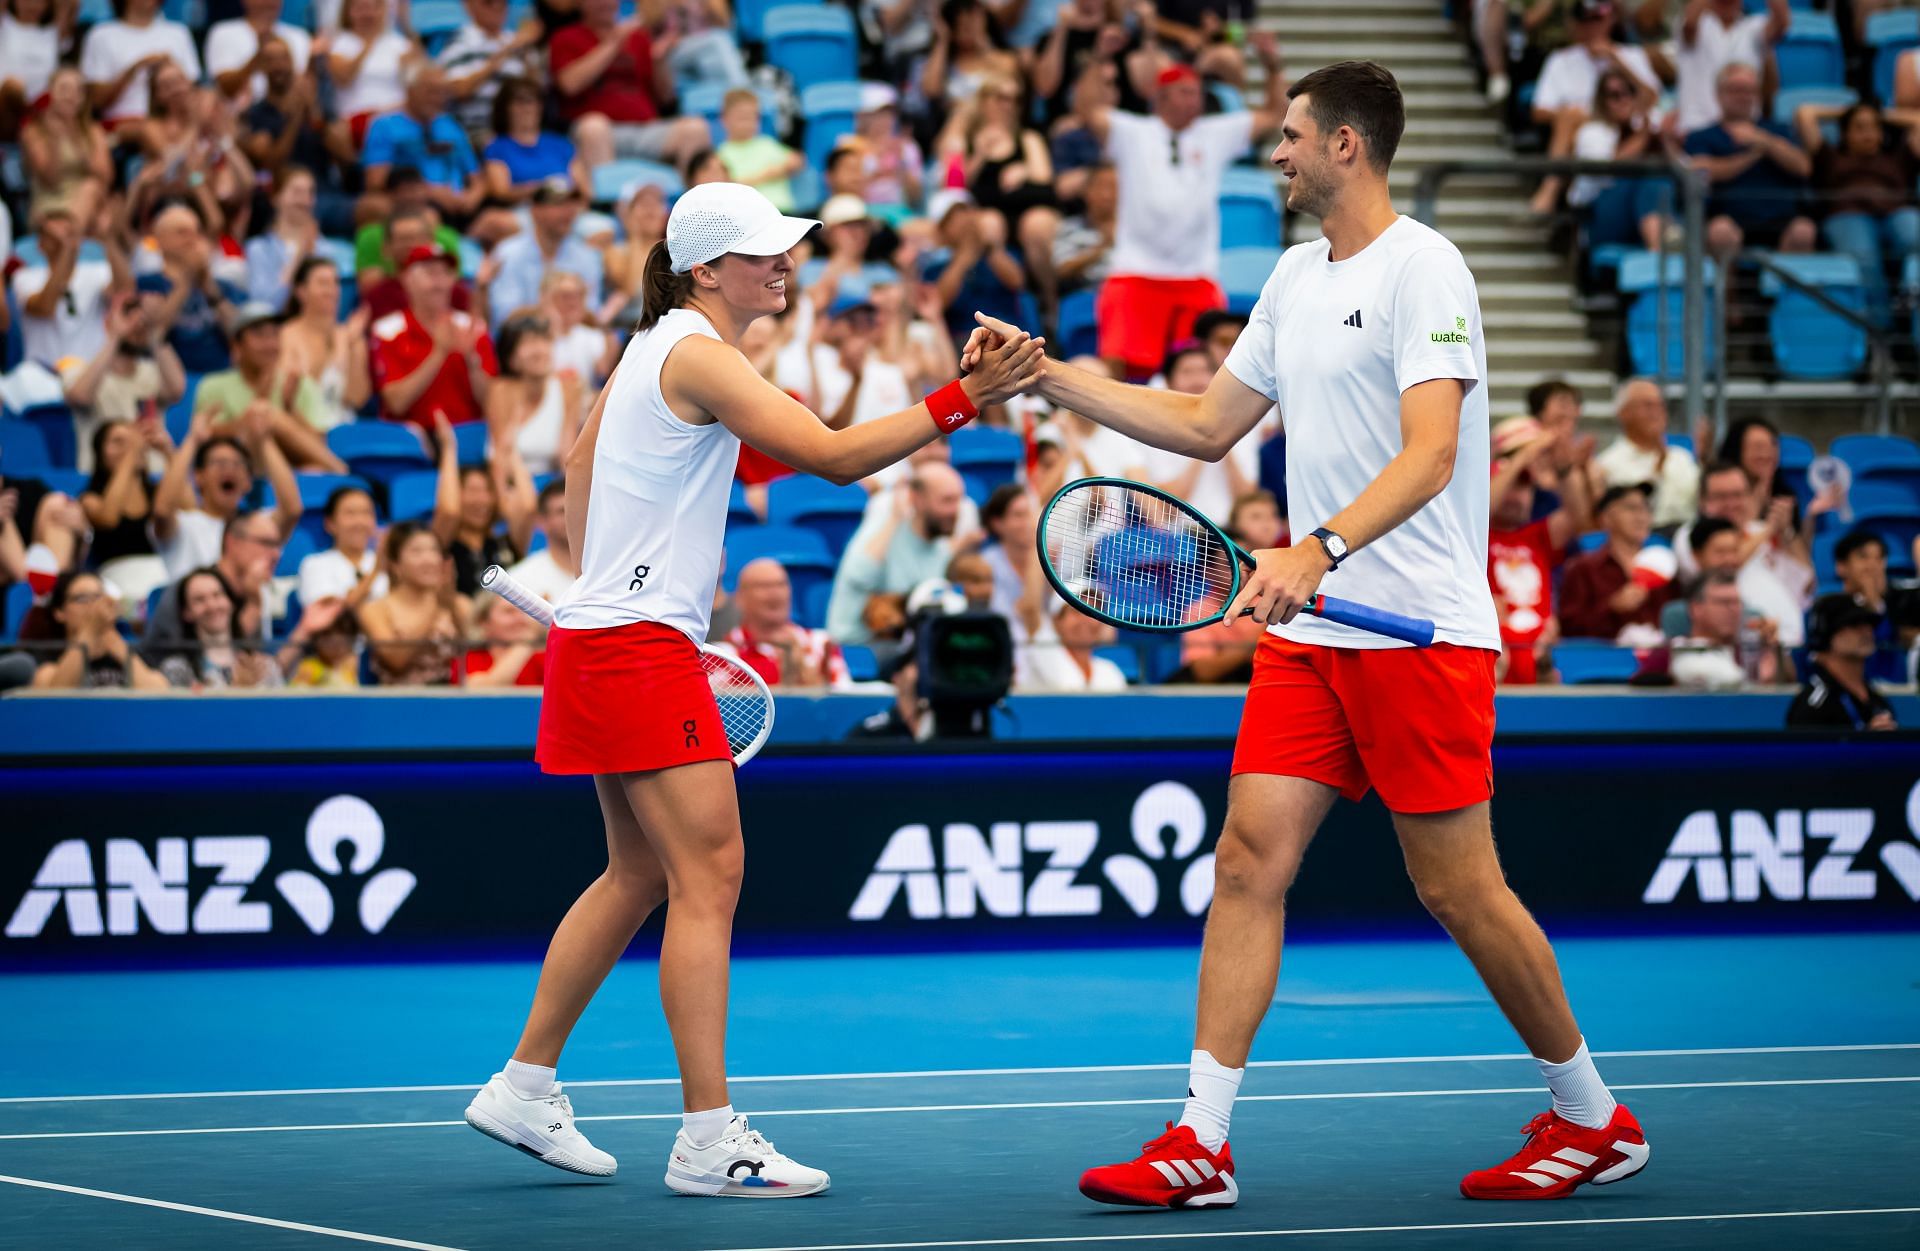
point(1138, 558)
point(744, 706)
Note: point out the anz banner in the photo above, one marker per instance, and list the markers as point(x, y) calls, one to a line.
point(385, 860)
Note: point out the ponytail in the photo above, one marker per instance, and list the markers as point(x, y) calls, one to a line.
point(661, 290)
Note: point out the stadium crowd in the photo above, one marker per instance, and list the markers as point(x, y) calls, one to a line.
point(310, 303)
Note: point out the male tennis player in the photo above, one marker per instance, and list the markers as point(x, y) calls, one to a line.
point(626, 698)
point(1370, 342)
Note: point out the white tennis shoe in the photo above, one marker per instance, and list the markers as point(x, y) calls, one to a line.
point(541, 1127)
point(743, 1165)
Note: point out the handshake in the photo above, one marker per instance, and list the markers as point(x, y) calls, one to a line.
point(1001, 361)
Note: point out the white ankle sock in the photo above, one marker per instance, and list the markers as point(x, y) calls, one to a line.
point(1211, 1087)
point(703, 1129)
point(529, 1081)
point(1578, 1093)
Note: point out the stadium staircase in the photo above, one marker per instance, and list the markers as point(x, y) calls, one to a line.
point(1527, 293)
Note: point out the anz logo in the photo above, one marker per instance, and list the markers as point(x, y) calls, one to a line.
point(128, 887)
point(966, 872)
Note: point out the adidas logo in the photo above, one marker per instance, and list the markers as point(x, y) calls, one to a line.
point(1550, 1171)
point(1354, 320)
point(1192, 1172)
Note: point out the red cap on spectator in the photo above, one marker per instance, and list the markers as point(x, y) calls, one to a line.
point(427, 252)
point(1176, 73)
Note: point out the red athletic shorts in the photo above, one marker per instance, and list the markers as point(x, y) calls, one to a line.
point(626, 699)
point(1140, 318)
point(1415, 724)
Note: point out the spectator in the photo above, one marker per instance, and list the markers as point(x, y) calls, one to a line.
point(63, 303)
point(1223, 652)
point(1716, 546)
point(414, 631)
point(33, 34)
point(1753, 443)
point(190, 519)
point(366, 61)
point(890, 161)
point(1775, 579)
point(132, 377)
point(84, 617)
point(913, 336)
point(966, 51)
point(1600, 594)
point(296, 413)
point(274, 255)
point(643, 217)
point(209, 656)
point(1555, 406)
point(68, 160)
point(533, 408)
point(846, 236)
point(753, 157)
point(580, 346)
point(333, 656)
point(523, 158)
point(1166, 254)
point(1714, 35)
point(970, 572)
point(702, 167)
point(234, 46)
point(353, 525)
point(1564, 97)
point(118, 504)
point(1087, 36)
point(1723, 647)
point(904, 30)
point(1906, 80)
point(1066, 662)
point(903, 719)
point(1633, 211)
point(1758, 174)
point(846, 173)
point(119, 57)
point(910, 543)
point(513, 651)
point(469, 506)
point(249, 550)
point(1642, 453)
point(482, 59)
point(551, 571)
point(424, 136)
point(1083, 246)
point(852, 381)
point(1008, 171)
point(284, 129)
point(1210, 486)
point(973, 269)
point(1860, 562)
point(185, 141)
point(1523, 549)
point(613, 85)
point(769, 642)
point(1010, 519)
point(1865, 187)
point(1838, 694)
point(316, 345)
point(697, 36)
point(431, 362)
point(380, 249)
point(511, 278)
point(1090, 450)
point(188, 293)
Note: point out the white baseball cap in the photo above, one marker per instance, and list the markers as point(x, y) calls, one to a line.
point(716, 218)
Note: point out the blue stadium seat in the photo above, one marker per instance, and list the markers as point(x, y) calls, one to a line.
point(1079, 323)
point(23, 451)
point(66, 481)
point(809, 189)
point(1243, 272)
point(862, 664)
point(750, 18)
point(831, 511)
point(302, 543)
point(1889, 34)
point(1809, 54)
point(1795, 452)
point(1583, 662)
point(828, 109)
point(410, 496)
point(435, 21)
point(1897, 527)
point(802, 552)
point(314, 490)
point(13, 610)
point(610, 179)
point(1640, 274)
point(379, 450)
point(55, 423)
point(739, 511)
point(1876, 455)
point(1249, 209)
point(1125, 658)
point(1881, 497)
point(813, 43)
point(471, 438)
point(1809, 341)
point(810, 608)
point(340, 252)
point(1788, 102)
point(987, 458)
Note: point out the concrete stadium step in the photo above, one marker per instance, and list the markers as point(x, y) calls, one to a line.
point(1405, 27)
point(1523, 354)
point(1497, 234)
point(1509, 293)
point(1423, 106)
point(1398, 8)
point(1369, 45)
point(1532, 323)
point(1417, 76)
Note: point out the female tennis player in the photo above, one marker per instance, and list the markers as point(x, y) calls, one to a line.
point(627, 700)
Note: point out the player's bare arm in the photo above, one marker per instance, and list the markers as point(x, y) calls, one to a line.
point(1285, 578)
point(579, 468)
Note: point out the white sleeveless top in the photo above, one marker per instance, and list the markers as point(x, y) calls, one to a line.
point(657, 515)
point(538, 439)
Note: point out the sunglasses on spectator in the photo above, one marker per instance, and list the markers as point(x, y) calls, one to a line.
point(1618, 93)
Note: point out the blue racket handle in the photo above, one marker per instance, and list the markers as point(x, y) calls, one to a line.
point(1345, 612)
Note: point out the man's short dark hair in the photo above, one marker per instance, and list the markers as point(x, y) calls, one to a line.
point(339, 495)
point(239, 519)
point(1706, 530)
point(1543, 394)
point(557, 487)
point(1853, 541)
point(204, 452)
point(1362, 96)
point(1179, 352)
point(401, 177)
point(1206, 323)
point(1717, 467)
point(1707, 582)
point(845, 152)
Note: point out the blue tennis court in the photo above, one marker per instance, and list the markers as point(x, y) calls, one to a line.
point(955, 1098)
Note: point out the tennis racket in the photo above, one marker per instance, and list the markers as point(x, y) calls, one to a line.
point(1135, 557)
point(746, 705)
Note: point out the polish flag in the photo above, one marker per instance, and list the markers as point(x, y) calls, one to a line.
point(1654, 567)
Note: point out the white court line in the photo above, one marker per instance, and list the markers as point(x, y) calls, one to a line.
point(1342, 1229)
point(223, 1214)
point(909, 1074)
point(966, 1107)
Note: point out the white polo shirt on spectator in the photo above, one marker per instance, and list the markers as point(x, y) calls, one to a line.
point(233, 43)
point(377, 88)
point(1335, 343)
point(1169, 216)
point(542, 574)
point(78, 327)
point(1715, 46)
point(1046, 666)
point(330, 575)
point(1673, 471)
point(112, 47)
point(1572, 75)
point(195, 544)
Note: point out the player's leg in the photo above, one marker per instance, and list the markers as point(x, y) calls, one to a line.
point(691, 815)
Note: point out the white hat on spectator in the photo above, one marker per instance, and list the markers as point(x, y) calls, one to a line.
point(716, 218)
point(876, 96)
point(944, 201)
point(843, 208)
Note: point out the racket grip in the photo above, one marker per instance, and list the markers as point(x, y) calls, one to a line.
point(1345, 612)
point(502, 583)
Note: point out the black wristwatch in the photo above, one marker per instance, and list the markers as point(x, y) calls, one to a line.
point(1335, 545)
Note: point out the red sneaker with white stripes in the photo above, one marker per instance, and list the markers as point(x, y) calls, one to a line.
point(1560, 1156)
point(1173, 1171)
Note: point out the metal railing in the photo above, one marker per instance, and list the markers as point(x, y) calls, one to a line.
point(1879, 341)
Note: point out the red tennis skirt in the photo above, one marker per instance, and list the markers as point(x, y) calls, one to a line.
point(626, 699)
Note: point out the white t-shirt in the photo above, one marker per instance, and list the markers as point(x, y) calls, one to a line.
point(1046, 666)
point(195, 545)
point(1572, 75)
point(580, 350)
point(377, 87)
point(542, 574)
point(1169, 219)
point(1715, 46)
point(1109, 454)
point(1334, 343)
point(113, 46)
point(78, 327)
point(330, 575)
point(1212, 491)
point(1674, 473)
point(233, 43)
point(28, 54)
